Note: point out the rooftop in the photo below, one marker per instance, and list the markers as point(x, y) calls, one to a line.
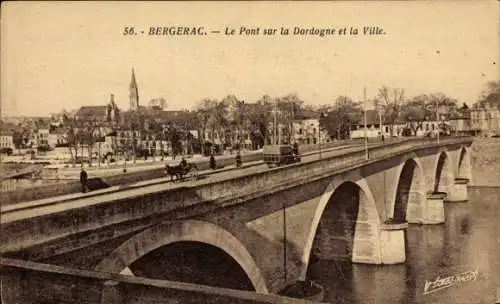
point(58, 131)
point(88, 111)
point(372, 118)
point(6, 133)
point(7, 126)
point(306, 114)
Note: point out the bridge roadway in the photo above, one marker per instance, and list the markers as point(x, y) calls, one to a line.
point(26, 210)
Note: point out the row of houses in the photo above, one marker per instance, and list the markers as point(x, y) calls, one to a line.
point(375, 127)
point(306, 128)
point(48, 136)
point(483, 119)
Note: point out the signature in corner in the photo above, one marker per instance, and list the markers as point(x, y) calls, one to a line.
point(445, 282)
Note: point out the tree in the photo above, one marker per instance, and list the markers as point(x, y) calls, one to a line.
point(18, 137)
point(203, 116)
point(72, 136)
point(443, 103)
point(288, 107)
point(90, 135)
point(156, 129)
point(490, 88)
point(259, 116)
point(159, 103)
point(240, 122)
point(234, 118)
point(133, 122)
point(415, 111)
point(213, 116)
point(389, 101)
point(338, 119)
point(175, 142)
point(219, 121)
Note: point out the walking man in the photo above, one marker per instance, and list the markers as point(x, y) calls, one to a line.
point(83, 180)
point(296, 149)
point(213, 165)
point(238, 159)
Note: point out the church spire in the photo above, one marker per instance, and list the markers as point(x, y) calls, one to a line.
point(134, 93)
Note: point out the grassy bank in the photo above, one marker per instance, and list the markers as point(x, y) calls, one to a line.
point(486, 162)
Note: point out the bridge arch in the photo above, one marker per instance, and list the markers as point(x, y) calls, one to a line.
point(443, 176)
point(358, 217)
point(171, 233)
point(464, 167)
point(409, 195)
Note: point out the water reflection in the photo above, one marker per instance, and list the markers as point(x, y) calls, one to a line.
point(466, 242)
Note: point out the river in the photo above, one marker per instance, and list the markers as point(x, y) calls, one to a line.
point(467, 242)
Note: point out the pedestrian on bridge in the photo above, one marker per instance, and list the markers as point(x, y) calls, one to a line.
point(213, 165)
point(238, 159)
point(296, 148)
point(83, 180)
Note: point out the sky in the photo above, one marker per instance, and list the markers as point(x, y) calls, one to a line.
point(59, 55)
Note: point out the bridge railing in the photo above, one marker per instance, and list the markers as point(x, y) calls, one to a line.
point(306, 170)
point(73, 186)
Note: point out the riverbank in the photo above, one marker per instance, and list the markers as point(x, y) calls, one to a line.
point(485, 162)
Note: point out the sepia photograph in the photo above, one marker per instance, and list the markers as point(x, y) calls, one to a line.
point(250, 152)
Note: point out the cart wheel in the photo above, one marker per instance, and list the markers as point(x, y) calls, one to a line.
point(193, 173)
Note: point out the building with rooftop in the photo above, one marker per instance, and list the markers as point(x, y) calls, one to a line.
point(103, 115)
point(57, 137)
point(133, 93)
point(7, 139)
point(307, 128)
point(376, 126)
point(485, 116)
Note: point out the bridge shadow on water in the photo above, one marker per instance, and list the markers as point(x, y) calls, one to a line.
point(345, 282)
point(192, 262)
point(201, 263)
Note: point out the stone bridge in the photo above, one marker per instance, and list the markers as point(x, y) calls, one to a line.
point(257, 232)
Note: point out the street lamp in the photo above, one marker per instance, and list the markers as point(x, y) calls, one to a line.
point(283, 206)
point(437, 120)
point(366, 129)
point(321, 115)
point(275, 120)
point(125, 163)
point(380, 121)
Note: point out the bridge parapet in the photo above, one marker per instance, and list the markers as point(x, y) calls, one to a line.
point(20, 232)
point(314, 168)
point(29, 282)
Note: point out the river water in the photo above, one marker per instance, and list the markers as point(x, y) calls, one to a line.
point(468, 241)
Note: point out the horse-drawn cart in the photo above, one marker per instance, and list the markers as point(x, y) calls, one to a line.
point(180, 172)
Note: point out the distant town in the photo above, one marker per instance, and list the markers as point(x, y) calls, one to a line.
point(105, 134)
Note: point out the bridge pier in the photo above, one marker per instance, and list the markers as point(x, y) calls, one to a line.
point(392, 243)
point(434, 208)
point(458, 193)
point(387, 247)
point(110, 293)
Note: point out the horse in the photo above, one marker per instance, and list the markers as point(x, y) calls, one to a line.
point(179, 171)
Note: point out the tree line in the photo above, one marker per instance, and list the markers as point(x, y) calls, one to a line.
point(231, 122)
